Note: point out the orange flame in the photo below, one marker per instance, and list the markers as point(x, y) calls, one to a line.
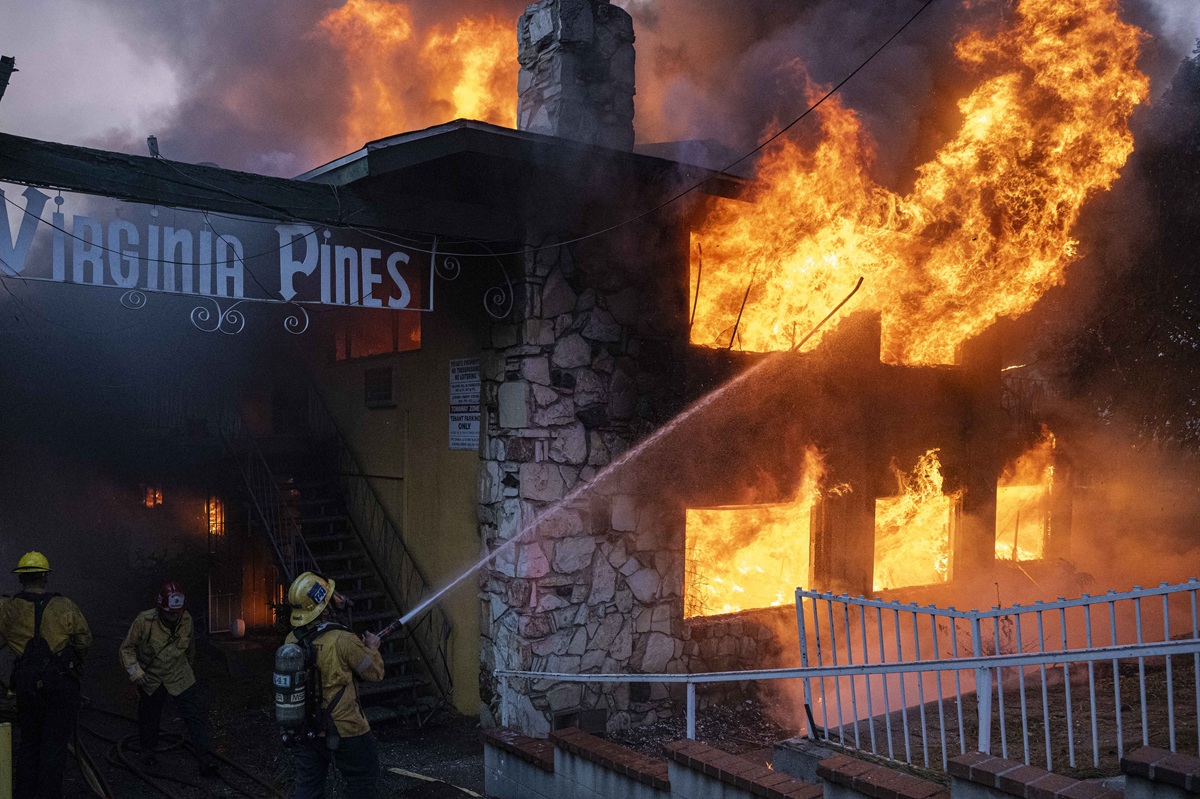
point(912, 530)
point(216, 517)
point(1022, 502)
point(402, 79)
point(750, 556)
point(986, 229)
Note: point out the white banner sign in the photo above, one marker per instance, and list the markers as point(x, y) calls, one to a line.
point(144, 248)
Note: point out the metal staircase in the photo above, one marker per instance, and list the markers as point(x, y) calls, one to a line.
point(320, 515)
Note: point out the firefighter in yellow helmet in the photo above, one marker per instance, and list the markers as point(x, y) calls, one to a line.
point(49, 636)
point(342, 735)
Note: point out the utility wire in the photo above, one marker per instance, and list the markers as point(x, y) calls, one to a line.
point(281, 214)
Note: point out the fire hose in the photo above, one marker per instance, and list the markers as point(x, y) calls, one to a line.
point(119, 756)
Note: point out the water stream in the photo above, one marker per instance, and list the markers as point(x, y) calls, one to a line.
point(612, 468)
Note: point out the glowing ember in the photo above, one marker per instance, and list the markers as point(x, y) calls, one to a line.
point(912, 530)
point(470, 70)
point(750, 556)
point(1023, 502)
point(986, 229)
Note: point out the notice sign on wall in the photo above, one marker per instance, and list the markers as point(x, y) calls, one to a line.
point(464, 403)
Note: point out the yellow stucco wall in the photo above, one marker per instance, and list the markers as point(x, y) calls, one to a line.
point(435, 503)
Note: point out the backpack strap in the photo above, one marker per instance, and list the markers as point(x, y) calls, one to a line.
point(39, 602)
point(324, 713)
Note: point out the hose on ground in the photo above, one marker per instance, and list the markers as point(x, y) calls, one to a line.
point(119, 756)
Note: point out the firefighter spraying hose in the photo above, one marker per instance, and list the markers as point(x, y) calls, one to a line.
point(317, 671)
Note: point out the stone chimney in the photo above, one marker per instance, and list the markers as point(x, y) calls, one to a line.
point(577, 72)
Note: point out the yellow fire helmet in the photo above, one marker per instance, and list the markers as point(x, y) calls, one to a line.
point(32, 563)
point(308, 596)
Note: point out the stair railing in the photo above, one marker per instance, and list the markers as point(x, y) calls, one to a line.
point(398, 571)
point(267, 499)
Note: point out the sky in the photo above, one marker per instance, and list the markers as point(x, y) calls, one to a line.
point(250, 87)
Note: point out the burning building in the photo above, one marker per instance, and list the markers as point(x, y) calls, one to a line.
point(654, 436)
point(876, 457)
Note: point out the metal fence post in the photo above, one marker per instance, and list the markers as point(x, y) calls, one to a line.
point(983, 697)
point(691, 711)
point(504, 701)
point(812, 734)
point(983, 690)
point(6, 770)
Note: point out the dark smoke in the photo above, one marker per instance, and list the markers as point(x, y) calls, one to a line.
point(265, 91)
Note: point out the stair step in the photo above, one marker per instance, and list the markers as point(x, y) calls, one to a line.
point(336, 517)
point(397, 658)
point(303, 485)
point(391, 685)
point(370, 617)
point(323, 500)
point(363, 594)
point(349, 576)
point(377, 714)
point(329, 538)
point(334, 560)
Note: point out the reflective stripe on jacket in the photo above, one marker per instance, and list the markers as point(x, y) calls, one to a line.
point(62, 624)
point(164, 655)
point(341, 657)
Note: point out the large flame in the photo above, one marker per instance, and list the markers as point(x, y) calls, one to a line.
point(1023, 502)
point(402, 78)
point(986, 229)
point(754, 556)
point(912, 529)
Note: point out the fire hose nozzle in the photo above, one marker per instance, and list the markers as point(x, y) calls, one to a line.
point(391, 629)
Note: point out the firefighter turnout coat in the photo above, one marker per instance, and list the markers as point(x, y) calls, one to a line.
point(63, 624)
point(163, 652)
point(341, 658)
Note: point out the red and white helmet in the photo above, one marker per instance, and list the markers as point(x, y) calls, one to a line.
point(171, 598)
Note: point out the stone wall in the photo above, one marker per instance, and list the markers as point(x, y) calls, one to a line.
point(590, 365)
point(577, 77)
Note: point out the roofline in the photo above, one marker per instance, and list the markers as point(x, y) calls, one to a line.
point(410, 137)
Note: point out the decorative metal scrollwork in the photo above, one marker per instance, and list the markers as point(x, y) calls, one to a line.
point(229, 321)
point(498, 301)
point(448, 268)
point(133, 299)
point(297, 322)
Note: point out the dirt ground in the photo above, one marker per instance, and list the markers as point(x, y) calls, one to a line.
point(742, 727)
point(421, 764)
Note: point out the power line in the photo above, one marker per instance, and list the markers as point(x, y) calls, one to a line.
point(282, 215)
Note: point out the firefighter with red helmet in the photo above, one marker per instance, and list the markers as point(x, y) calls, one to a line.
point(49, 636)
point(157, 653)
